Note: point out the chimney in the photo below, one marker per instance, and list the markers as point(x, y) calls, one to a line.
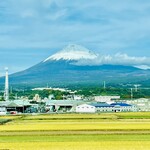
point(6, 93)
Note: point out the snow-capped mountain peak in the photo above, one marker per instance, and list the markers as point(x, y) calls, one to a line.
point(73, 52)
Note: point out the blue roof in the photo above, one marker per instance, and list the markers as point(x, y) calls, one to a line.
point(101, 105)
point(120, 104)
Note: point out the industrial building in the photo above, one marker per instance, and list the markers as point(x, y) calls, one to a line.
point(85, 108)
point(62, 105)
point(143, 104)
point(3, 110)
point(17, 106)
point(123, 107)
point(98, 105)
point(104, 107)
point(106, 99)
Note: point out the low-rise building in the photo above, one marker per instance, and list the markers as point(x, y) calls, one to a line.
point(106, 99)
point(3, 110)
point(62, 105)
point(18, 106)
point(103, 107)
point(143, 104)
point(85, 108)
point(123, 107)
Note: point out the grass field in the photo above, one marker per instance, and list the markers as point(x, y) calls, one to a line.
point(118, 131)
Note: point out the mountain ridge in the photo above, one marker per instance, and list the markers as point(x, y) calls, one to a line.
point(69, 70)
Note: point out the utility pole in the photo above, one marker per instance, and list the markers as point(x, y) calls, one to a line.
point(16, 96)
point(47, 85)
point(131, 93)
point(104, 84)
point(136, 87)
point(11, 89)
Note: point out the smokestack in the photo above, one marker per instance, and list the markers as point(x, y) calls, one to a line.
point(6, 94)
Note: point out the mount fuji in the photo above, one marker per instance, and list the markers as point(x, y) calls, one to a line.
point(73, 52)
point(76, 65)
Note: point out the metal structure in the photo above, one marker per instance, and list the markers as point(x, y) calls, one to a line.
point(6, 93)
point(131, 93)
point(104, 84)
point(136, 87)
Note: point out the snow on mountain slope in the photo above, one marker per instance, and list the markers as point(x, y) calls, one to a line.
point(73, 52)
point(81, 56)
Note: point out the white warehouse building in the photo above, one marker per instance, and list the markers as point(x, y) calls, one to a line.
point(104, 107)
point(3, 110)
point(85, 108)
point(106, 99)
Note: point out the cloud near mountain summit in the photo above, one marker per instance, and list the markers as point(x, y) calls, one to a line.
point(118, 59)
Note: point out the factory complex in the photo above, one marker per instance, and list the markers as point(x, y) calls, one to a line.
point(74, 104)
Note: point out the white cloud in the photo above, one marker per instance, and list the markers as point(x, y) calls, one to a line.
point(144, 67)
point(129, 60)
point(118, 59)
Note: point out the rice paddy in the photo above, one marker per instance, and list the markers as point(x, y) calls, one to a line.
point(125, 131)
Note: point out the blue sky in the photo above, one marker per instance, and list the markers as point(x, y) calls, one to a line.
point(31, 30)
